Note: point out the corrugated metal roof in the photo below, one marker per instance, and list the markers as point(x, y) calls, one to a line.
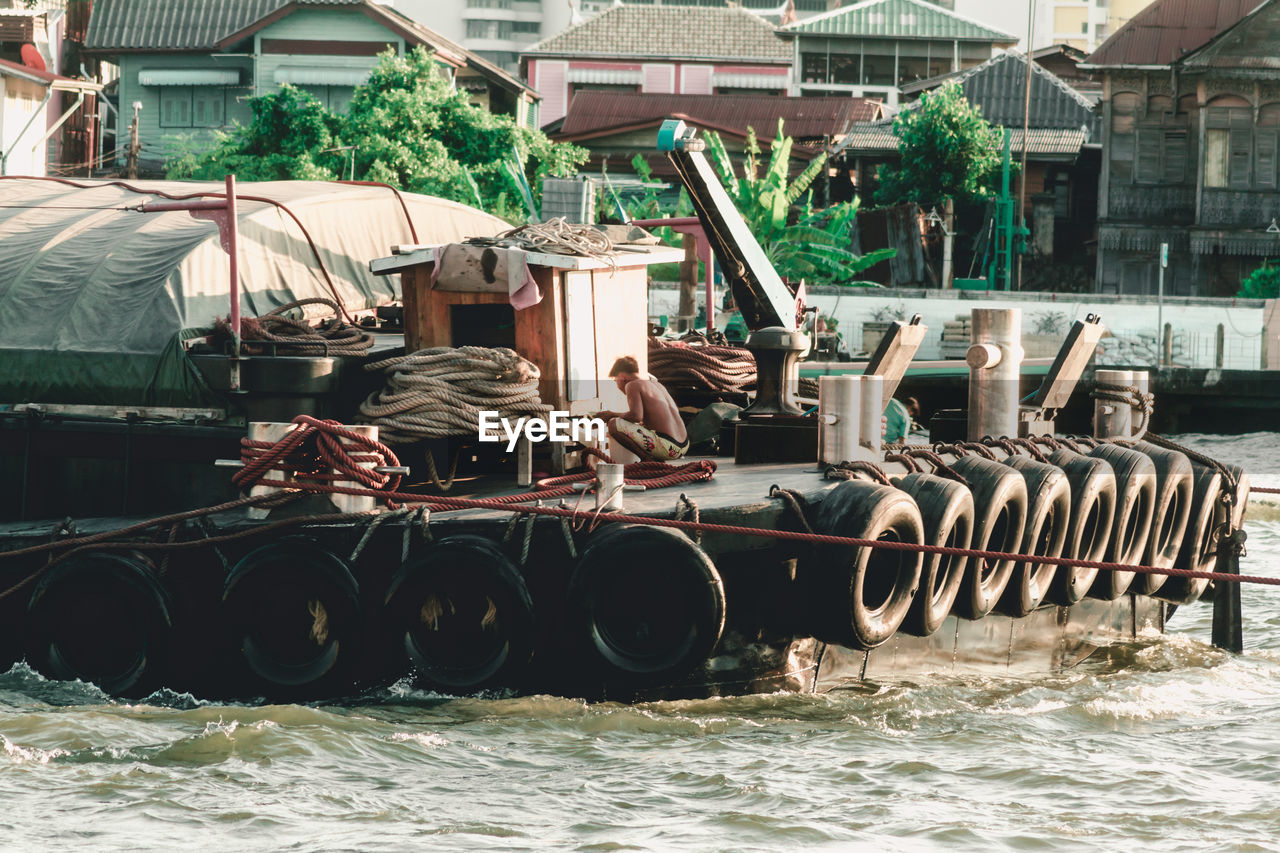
point(879, 138)
point(804, 118)
point(170, 24)
point(670, 32)
point(912, 19)
point(998, 87)
point(1249, 44)
point(1167, 30)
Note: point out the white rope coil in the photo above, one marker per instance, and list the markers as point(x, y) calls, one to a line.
point(441, 391)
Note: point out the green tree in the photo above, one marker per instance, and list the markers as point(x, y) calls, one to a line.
point(1262, 283)
point(948, 150)
point(799, 240)
point(410, 129)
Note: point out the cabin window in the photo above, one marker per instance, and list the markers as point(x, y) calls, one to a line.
point(193, 106)
point(1265, 144)
point(1228, 147)
point(1125, 107)
point(175, 106)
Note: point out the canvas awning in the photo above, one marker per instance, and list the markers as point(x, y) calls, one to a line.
point(189, 77)
point(320, 76)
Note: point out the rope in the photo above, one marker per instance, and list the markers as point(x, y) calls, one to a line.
point(940, 466)
point(1131, 396)
point(447, 483)
point(1229, 482)
point(686, 504)
point(555, 236)
point(912, 466)
point(318, 451)
point(333, 337)
point(698, 365)
point(439, 392)
point(847, 470)
point(795, 502)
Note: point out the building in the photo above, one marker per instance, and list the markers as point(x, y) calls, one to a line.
point(871, 49)
point(1062, 145)
point(189, 67)
point(659, 50)
point(1191, 124)
point(30, 118)
point(616, 126)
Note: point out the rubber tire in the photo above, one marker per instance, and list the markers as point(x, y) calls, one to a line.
point(263, 589)
point(626, 576)
point(946, 510)
point(847, 600)
point(1093, 507)
point(1044, 535)
point(464, 570)
point(82, 590)
point(1174, 479)
point(1131, 528)
point(1199, 551)
point(1000, 502)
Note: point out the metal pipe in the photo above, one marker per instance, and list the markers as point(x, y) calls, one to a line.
point(995, 371)
point(59, 123)
point(870, 429)
point(838, 414)
point(233, 250)
point(1112, 419)
point(4, 158)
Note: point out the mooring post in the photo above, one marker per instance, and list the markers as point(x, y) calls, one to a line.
point(995, 372)
point(609, 484)
point(870, 429)
point(1141, 381)
point(1228, 633)
point(838, 414)
point(1110, 418)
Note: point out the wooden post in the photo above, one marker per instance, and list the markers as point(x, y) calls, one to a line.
point(1220, 346)
point(689, 285)
point(1166, 345)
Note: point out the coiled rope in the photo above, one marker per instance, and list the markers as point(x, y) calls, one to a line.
point(1131, 396)
point(441, 391)
point(299, 337)
point(555, 236)
point(694, 363)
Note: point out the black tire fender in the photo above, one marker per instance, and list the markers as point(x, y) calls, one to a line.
point(1093, 509)
point(295, 606)
point(102, 617)
point(1199, 551)
point(463, 615)
point(646, 602)
point(1131, 528)
point(1000, 503)
point(1044, 535)
point(858, 597)
point(1174, 480)
point(946, 510)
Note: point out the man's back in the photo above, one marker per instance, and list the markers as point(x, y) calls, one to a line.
point(660, 411)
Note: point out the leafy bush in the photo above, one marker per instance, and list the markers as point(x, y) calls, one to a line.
point(1262, 283)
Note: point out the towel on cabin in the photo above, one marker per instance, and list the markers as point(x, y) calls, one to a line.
point(488, 269)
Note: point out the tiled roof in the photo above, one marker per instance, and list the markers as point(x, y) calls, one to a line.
point(1166, 30)
point(898, 19)
point(670, 32)
point(592, 112)
point(998, 86)
point(879, 138)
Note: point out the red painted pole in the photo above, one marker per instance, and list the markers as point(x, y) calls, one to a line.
point(233, 250)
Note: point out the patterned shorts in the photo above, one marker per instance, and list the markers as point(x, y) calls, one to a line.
point(656, 444)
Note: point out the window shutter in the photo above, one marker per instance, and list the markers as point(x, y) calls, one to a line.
point(1122, 147)
point(1215, 158)
point(1241, 155)
point(1265, 164)
point(1174, 165)
point(1147, 167)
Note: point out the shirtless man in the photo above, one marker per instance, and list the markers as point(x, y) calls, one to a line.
point(651, 427)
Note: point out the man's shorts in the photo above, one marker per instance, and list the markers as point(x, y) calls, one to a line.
point(657, 445)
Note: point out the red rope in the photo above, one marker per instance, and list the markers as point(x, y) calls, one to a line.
point(1264, 491)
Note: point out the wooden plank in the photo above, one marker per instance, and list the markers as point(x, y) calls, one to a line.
point(540, 336)
point(581, 368)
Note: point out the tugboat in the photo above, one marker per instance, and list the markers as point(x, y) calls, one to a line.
point(334, 521)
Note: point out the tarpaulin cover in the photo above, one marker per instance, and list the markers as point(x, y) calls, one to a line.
point(97, 297)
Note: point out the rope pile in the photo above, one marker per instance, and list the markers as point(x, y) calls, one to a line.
point(298, 336)
point(317, 452)
point(441, 391)
point(696, 364)
point(555, 236)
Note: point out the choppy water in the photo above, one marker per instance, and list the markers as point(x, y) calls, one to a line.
point(1169, 743)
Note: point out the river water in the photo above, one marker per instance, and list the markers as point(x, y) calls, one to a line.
point(1166, 742)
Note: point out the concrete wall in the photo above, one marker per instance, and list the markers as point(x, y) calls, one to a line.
point(1133, 323)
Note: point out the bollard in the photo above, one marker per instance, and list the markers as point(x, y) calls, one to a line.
point(1112, 419)
point(838, 415)
point(357, 503)
point(1141, 381)
point(609, 485)
point(995, 371)
point(870, 430)
point(1228, 632)
point(269, 432)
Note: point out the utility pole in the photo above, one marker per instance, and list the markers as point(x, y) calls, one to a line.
point(134, 146)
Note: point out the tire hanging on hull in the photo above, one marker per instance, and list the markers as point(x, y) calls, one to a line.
point(857, 597)
point(646, 603)
point(1000, 501)
point(102, 617)
point(1131, 525)
point(463, 616)
point(296, 608)
point(1093, 506)
point(1199, 551)
point(1044, 535)
point(946, 510)
point(1174, 480)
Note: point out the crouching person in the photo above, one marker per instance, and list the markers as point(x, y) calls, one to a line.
point(651, 426)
